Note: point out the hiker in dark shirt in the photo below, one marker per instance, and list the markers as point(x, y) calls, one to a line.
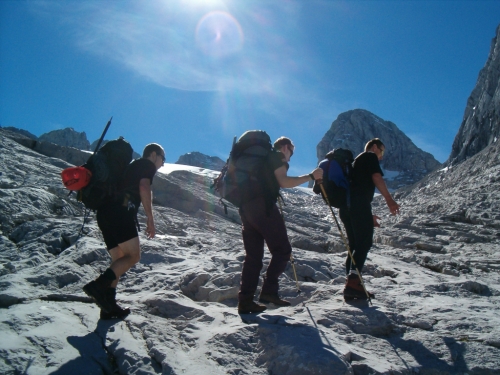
point(117, 220)
point(358, 220)
point(262, 221)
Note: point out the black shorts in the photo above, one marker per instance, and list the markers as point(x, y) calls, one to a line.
point(117, 225)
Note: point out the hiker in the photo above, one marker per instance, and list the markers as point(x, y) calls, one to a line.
point(117, 220)
point(359, 222)
point(262, 221)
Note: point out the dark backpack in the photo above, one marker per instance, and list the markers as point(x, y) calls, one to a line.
point(337, 170)
point(245, 173)
point(107, 166)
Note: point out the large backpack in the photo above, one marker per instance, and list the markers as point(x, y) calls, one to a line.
point(337, 169)
point(107, 166)
point(245, 173)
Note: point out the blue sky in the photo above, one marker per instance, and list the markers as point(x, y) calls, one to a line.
point(191, 74)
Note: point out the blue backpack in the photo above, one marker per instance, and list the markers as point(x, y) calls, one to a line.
point(337, 169)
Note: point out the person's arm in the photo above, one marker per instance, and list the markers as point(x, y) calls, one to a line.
point(379, 182)
point(147, 203)
point(290, 182)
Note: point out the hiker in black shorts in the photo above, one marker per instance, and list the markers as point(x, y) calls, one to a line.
point(262, 221)
point(117, 220)
point(359, 222)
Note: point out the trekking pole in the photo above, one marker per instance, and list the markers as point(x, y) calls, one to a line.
point(292, 260)
point(345, 242)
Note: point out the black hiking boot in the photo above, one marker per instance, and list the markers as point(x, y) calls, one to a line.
point(273, 298)
point(249, 306)
point(354, 289)
point(97, 290)
point(117, 312)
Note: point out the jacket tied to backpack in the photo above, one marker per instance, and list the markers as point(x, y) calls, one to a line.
point(337, 171)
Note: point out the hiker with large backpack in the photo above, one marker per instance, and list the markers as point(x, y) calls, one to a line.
point(117, 220)
point(359, 222)
point(255, 173)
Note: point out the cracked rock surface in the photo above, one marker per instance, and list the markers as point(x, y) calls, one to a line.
point(434, 269)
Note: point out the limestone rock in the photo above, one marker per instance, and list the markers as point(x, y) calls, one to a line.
point(67, 137)
point(197, 159)
point(481, 123)
point(403, 163)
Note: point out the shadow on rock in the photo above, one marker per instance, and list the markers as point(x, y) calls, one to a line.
point(289, 347)
point(94, 357)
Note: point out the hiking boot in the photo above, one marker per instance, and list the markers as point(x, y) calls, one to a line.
point(354, 289)
point(97, 290)
point(117, 312)
point(249, 306)
point(273, 298)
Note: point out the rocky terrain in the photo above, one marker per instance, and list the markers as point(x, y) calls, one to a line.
point(67, 137)
point(197, 159)
point(403, 164)
point(435, 270)
point(481, 123)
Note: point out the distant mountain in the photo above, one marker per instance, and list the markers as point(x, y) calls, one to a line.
point(19, 131)
point(403, 164)
point(68, 137)
point(481, 123)
point(197, 159)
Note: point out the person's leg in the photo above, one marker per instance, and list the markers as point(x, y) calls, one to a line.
point(362, 224)
point(125, 256)
point(274, 231)
point(120, 235)
point(345, 217)
point(253, 243)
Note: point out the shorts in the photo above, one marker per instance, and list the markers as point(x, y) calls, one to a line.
point(117, 224)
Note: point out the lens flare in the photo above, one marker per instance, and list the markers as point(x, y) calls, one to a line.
point(219, 34)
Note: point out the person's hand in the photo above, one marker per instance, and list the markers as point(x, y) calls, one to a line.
point(150, 228)
point(393, 206)
point(317, 173)
point(376, 221)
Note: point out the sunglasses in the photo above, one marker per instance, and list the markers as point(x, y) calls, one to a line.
point(162, 157)
point(291, 148)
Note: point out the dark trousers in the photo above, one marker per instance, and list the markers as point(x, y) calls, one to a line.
point(358, 224)
point(257, 228)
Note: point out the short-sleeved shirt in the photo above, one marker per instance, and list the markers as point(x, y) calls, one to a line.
point(277, 160)
point(136, 171)
point(365, 165)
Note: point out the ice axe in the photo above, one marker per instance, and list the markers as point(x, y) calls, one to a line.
point(345, 241)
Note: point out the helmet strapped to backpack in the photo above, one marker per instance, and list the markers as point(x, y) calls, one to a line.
point(337, 169)
point(106, 167)
point(242, 178)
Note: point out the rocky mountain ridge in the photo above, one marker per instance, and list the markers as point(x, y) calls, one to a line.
point(197, 159)
point(433, 270)
point(481, 123)
point(403, 164)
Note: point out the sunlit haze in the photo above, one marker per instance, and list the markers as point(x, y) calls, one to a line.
point(190, 74)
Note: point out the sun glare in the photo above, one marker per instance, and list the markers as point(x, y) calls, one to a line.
point(219, 34)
